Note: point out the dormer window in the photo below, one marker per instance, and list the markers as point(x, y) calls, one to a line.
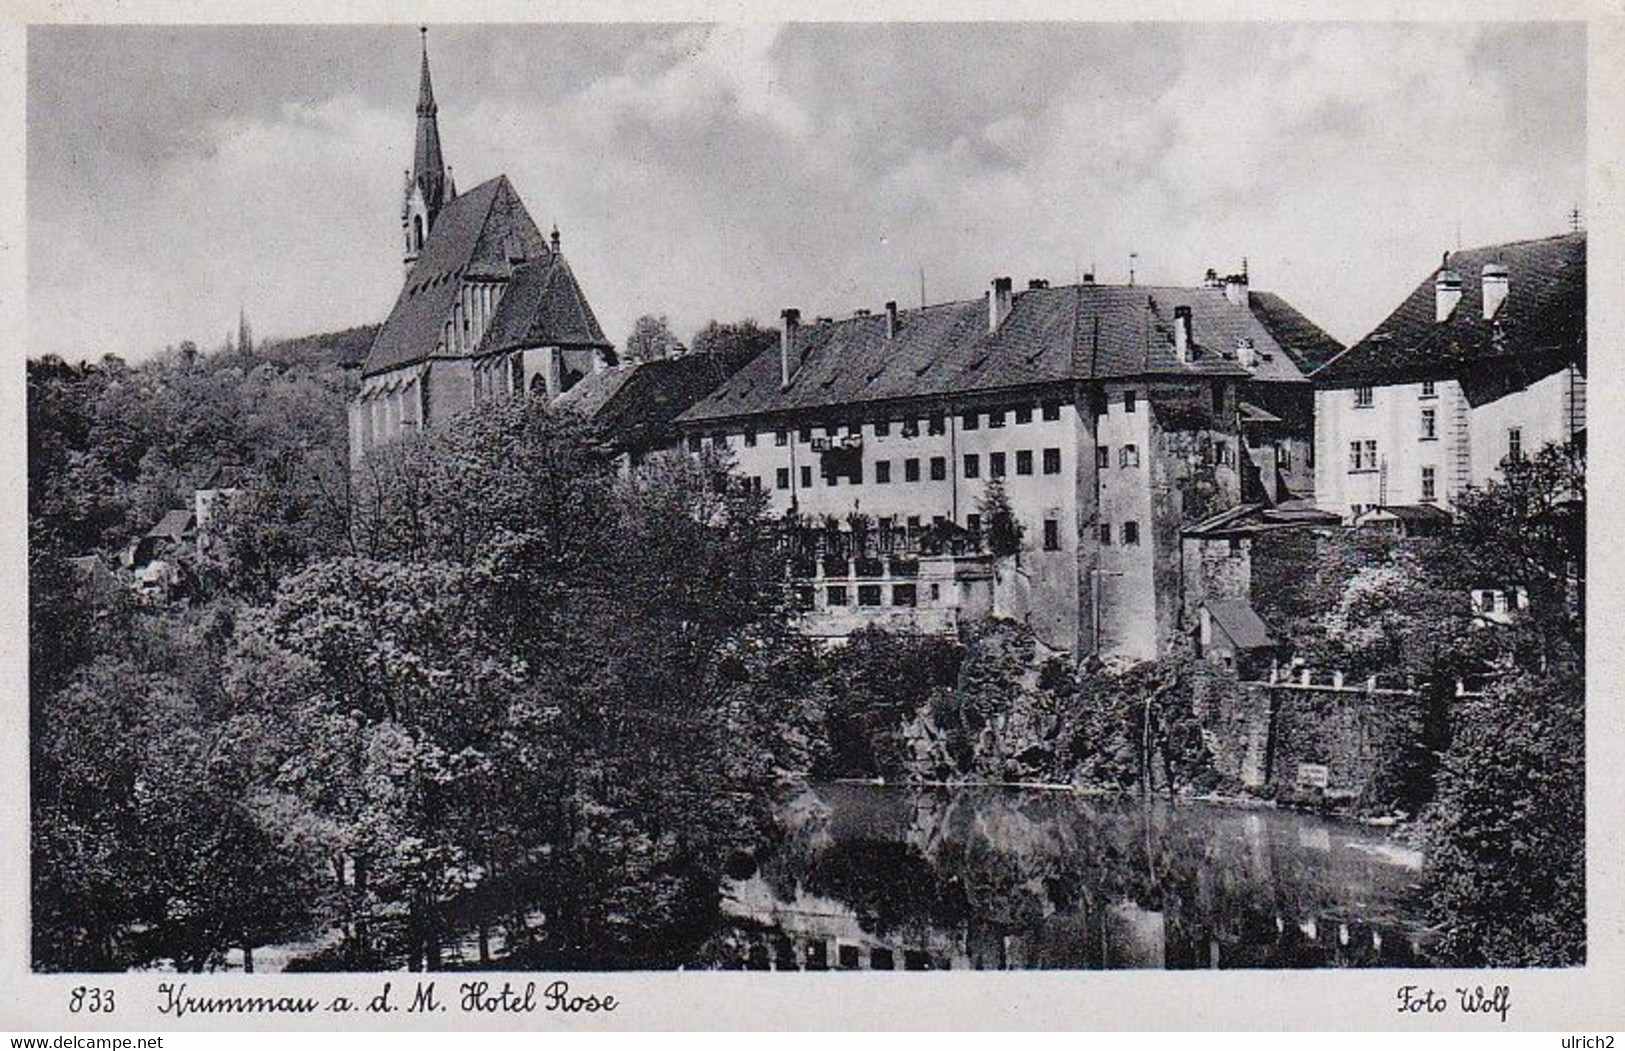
point(417, 233)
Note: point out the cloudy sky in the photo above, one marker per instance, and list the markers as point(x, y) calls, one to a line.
point(729, 171)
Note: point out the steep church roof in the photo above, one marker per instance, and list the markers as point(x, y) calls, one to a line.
point(1539, 328)
point(543, 306)
point(1051, 335)
point(485, 233)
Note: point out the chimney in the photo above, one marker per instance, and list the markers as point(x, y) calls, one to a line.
point(787, 345)
point(1235, 289)
point(1089, 277)
point(1182, 333)
point(1246, 353)
point(998, 303)
point(1497, 282)
point(891, 319)
point(1211, 279)
point(1446, 291)
point(1037, 283)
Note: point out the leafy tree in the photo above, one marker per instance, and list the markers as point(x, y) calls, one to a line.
point(734, 344)
point(876, 682)
point(1506, 837)
point(1004, 529)
point(651, 338)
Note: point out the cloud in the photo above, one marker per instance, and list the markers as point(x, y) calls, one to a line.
point(726, 171)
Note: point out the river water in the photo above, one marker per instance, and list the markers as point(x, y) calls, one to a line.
point(867, 877)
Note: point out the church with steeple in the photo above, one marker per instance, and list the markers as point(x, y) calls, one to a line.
point(489, 307)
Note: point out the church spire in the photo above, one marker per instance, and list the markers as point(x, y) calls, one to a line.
point(428, 185)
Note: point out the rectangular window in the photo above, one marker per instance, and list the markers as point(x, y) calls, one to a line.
point(1052, 461)
point(973, 466)
point(856, 477)
point(973, 522)
point(1103, 456)
point(1131, 534)
point(693, 443)
point(1514, 443)
point(836, 595)
point(784, 478)
point(1131, 401)
point(913, 523)
point(1354, 456)
point(911, 470)
point(1024, 414)
point(854, 429)
point(939, 468)
point(868, 594)
point(1052, 535)
point(882, 472)
point(1428, 483)
point(1105, 534)
point(750, 439)
point(719, 441)
point(1430, 425)
point(1370, 455)
point(882, 428)
point(1221, 452)
point(804, 435)
point(911, 428)
point(935, 424)
point(1052, 410)
point(995, 419)
point(904, 595)
point(1024, 461)
point(1362, 397)
point(970, 421)
point(781, 437)
point(1429, 389)
point(832, 430)
point(806, 477)
point(1129, 456)
point(995, 465)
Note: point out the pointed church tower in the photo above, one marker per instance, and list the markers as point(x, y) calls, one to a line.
point(428, 183)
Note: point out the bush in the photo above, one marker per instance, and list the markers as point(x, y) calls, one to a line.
point(1506, 835)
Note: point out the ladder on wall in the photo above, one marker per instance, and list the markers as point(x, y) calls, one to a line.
point(1461, 471)
point(1574, 402)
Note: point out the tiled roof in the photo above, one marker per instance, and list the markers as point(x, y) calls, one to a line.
point(542, 306)
point(633, 406)
point(1241, 623)
point(1251, 413)
point(1250, 519)
point(1539, 328)
point(475, 235)
point(1308, 345)
point(1051, 335)
point(175, 525)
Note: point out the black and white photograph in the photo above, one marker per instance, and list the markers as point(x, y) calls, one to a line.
point(570, 499)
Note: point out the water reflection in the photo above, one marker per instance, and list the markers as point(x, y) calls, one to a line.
point(887, 878)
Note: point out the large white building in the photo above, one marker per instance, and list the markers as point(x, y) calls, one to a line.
point(1484, 360)
point(1109, 413)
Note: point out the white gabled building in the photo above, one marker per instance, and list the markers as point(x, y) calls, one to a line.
point(1110, 415)
point(1485, 359)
